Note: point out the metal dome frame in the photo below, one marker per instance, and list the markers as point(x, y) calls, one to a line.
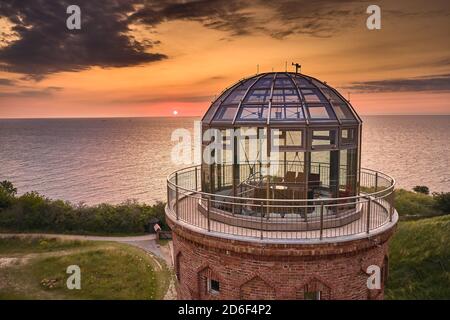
point(267, 92)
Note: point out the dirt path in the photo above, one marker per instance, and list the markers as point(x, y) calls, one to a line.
point(146, 237)
point(146, 242)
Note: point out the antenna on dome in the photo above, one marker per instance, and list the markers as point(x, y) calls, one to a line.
point(297, 67)
point(257, 69)
point(285, 66)
point(348, 93)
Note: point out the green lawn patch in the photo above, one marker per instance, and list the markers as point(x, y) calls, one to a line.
point(18, 245)
point(108, 271)
point(420, 260)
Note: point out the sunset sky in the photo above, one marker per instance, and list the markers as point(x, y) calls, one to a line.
point(151, 58)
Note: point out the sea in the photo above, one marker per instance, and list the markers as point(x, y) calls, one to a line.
point(114, 159)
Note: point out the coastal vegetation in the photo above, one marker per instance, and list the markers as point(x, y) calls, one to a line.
point(419, 260)
point(419, 204)
point(35, 268)
point(32, 212)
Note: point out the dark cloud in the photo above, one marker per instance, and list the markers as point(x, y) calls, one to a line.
point(435, 83)
point(159, 99)
point(6, 82)
point(35, 93)
point(320, 18)
point(239, 17)
point(46, 46)
point(224, 15)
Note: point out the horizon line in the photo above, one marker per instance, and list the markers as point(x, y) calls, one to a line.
point(192, 116)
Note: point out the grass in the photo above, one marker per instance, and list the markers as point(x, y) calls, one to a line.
point(420, 260)
point(74, 232)
point(19, 245)
point(108, 271)
point(413, 204)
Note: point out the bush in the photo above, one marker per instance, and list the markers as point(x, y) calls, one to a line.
point(7, 194)
point(414, 204)
point(34, 212)
point(442, 200)
point(422, 189)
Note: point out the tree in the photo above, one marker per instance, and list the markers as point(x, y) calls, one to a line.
point(7, 193)
point(442, 201)
point(8, 187)
point(422, 189)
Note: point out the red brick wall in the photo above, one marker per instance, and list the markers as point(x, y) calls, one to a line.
point(249, 270)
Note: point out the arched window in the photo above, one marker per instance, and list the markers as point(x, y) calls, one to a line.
point(178, 266)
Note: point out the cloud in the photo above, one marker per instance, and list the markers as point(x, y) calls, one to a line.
point(277, 19)
point(46, 46)
point(35, 93)
point(42, 45)
point(163, 99)
point(434, 83)
point(224, 15)
point(6, 82)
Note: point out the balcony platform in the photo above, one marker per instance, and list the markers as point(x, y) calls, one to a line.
point(369, 214)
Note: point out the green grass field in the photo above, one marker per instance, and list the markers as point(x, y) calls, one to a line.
point(36, 269)
point(420, 260)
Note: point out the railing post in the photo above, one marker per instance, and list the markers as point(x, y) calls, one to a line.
point(391, 206)
point(208, 212)
point(376, 181)
point(196, 179)
point(168, 195)
point(321, 220)
point(262, 212)
point(369, 204)
point(176, 196)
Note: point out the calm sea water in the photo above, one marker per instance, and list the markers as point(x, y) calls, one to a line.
point(111, 160)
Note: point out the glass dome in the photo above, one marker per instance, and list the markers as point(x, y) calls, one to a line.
point(281, 135)
point(280, 98)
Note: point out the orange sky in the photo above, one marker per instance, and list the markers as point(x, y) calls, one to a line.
point(403, 68)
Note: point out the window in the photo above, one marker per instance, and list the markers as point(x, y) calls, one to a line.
point(178, 266)
point(343, 112)
point(265, 82)
point(226, 113)
point(235, 96)
point(313, 96)
point(287, 139)
point(285, 95)
point(258, 95)
point(283, 82)
point(323, 139)
point(213, 286)
point(348, 136)
point(253, 113)
point(319, 111)
point(332, 96)
point(286, 113)
point(302, 83)
point(314, 295)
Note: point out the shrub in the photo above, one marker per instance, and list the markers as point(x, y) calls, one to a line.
point(422, 189)
point(442, 200)
point(8, 187)
point(412, 203)
point(33, 212)
point(5, 199)
point(7, 194)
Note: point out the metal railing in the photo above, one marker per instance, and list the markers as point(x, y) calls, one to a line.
point(281, 218)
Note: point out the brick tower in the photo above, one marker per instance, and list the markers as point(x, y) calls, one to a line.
point(280, 207)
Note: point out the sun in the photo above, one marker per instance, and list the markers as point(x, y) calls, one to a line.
point(175, 112)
